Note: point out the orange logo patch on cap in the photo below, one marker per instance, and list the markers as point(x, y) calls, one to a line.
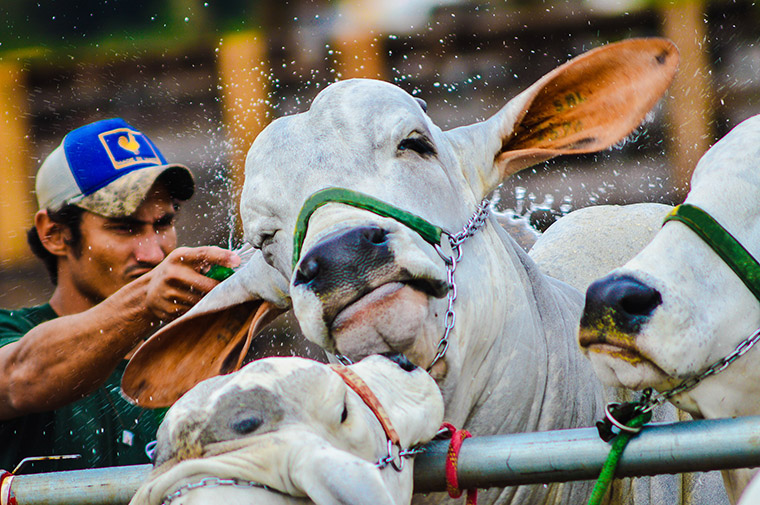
point(126, 148)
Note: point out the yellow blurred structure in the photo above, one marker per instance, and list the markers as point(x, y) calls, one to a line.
point(243, 71)
point(690, 106)
point(359, 56)
point(16, 199)
point(357, 41)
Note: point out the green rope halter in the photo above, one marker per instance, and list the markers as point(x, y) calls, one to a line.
point(722, 242)
point(429, 232)
point(610, 464)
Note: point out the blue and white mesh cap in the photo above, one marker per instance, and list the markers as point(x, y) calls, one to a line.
point(107, 167)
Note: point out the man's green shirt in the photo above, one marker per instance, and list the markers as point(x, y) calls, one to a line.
point(104, 428)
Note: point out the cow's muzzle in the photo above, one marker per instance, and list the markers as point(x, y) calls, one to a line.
point(346, 266)
point(616, 304)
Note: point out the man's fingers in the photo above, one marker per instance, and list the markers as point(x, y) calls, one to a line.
point(201, 258)
point(202, 285)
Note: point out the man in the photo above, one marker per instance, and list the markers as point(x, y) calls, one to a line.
point(105, 230)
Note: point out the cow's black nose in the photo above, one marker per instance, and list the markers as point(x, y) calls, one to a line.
point(628, 301)
point(344, 260)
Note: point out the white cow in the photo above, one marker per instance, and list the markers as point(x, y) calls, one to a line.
point(366, 284)
point(677, 308)
point(295, 426)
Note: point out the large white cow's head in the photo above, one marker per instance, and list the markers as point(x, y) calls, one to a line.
point(364, 283)
point(677, 307)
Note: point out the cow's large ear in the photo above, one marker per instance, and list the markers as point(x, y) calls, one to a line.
point(211, 339)
point(588, 104)
point(329, 476)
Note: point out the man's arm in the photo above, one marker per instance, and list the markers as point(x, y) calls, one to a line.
point(64, 359)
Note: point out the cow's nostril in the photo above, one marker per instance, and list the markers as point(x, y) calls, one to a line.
point(640, 301)
point(629, 301)
point(376, 236)
point(307, 271)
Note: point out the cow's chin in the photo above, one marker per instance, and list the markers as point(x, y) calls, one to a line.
point(391, 318)
point(616, 367)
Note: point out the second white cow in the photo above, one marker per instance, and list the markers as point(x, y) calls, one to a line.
point(677, 308)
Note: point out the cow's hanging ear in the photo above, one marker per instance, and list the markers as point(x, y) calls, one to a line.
point(329, 476)
point(211, 339)
point(588, 104)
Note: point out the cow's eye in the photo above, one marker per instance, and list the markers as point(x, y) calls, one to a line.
point(344, 414)
point(246, 425)
point(263, 239)
point(418, 144)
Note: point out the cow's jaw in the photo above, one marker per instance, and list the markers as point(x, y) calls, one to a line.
point(623, 366)
point(390, 302)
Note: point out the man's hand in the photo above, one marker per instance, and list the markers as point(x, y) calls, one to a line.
point(178, 283)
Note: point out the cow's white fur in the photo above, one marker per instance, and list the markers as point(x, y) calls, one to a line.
point(302, 448)
point(751, 494)
point(512, 364)
point(590, 242)
point(706, 310)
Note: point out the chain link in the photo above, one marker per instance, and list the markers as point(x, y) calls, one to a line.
point(397, 462)
point(744, 346)
point(213, 482)
point(456, 240)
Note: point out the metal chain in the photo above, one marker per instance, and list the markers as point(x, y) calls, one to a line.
point(456, 240)
point(217, 482)
point(213, 482)
point(397, 462)
point(658, 398)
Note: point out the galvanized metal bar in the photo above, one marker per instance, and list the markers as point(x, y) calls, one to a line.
point(98, 486)
point(578, 454)
point(495, 461)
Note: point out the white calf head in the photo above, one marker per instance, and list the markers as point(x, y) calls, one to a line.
point(293, 425)
point(366, 284)
point(677, 308)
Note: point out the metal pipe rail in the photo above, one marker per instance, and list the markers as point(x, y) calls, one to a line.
point(494, 461)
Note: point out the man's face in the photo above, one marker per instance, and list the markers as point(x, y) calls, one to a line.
point(116, 251)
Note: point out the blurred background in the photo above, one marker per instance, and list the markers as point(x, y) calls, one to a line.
point(202, 78)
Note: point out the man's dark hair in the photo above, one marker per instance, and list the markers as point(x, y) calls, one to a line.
point(69, 216)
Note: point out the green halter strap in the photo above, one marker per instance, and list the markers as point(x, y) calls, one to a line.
point(722, 242)
point(429, 232)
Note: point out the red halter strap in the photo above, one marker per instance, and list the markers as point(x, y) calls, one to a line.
point(361, 388)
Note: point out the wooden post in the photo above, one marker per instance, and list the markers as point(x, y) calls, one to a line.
point(359, 48)
point(690, 108)
point(17, 193)
point(359, 56)
point(243, 71)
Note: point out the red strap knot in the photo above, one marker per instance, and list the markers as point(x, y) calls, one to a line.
point(452, 460)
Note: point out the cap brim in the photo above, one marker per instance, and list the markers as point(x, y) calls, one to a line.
point(122, 197)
